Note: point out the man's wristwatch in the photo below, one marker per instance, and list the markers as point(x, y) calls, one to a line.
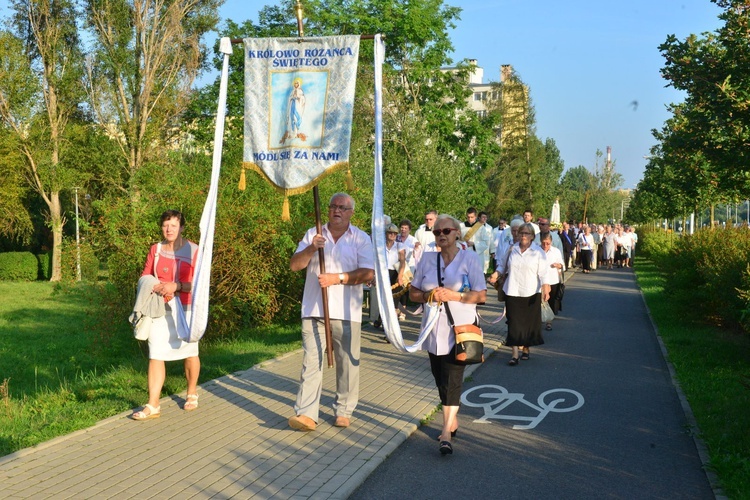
point(341, 278)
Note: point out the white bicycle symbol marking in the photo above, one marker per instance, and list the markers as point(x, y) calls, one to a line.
point(499, 395)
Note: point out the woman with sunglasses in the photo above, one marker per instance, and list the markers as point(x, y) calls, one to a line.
point(525, 287)
point(454, 277)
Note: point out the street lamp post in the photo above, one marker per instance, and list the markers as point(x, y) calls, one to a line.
point(78, 241)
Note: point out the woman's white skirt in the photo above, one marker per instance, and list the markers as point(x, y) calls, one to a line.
point(163, 342)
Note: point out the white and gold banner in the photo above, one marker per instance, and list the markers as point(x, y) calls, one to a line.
point(299, 98)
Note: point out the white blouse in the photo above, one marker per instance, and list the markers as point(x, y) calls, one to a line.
point(465, 263)
point(586, 241)
point(392, 255)
point(527, 271)
point(554, 257)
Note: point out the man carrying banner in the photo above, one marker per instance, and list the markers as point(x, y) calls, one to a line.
point(349, 260)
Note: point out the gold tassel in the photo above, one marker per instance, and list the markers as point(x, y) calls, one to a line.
point(349, 181)
point(285, 210)
point(241, 185)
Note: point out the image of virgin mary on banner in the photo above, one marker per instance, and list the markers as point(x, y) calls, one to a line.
point(299, 98)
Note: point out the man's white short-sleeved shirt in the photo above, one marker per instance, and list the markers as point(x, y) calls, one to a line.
point(352, 251)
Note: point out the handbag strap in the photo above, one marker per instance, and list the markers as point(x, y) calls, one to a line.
point(156, 258)
point(440, 283)
point(175, 270)
point(507, 258)
point(447, 308)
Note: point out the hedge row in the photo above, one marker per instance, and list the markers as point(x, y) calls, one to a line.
point(19, 266)
point(709, 271)
point(25, 266)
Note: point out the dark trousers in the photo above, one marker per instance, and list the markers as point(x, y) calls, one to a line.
point(586, 259)
point(449, 378)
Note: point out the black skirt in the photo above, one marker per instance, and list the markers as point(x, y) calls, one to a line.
point(524, 320)
point(554, 302)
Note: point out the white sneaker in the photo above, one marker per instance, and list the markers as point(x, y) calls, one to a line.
point(402, 317)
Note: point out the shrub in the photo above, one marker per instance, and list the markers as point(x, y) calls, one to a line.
point(656, 244)
point(709, 270)
point(44, 265)
point(89, 261)
point(18, 266)
point(251, 283)
point(744, 293)
point(251, 280)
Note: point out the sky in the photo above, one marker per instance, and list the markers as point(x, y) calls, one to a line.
point(587, 63)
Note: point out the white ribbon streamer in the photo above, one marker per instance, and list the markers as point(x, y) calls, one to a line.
point(388, 313)
point(202, 274)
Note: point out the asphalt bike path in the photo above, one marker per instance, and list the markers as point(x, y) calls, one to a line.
point(593, 413)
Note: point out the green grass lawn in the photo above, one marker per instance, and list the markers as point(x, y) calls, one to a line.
point(62, 370)
point(713, 369)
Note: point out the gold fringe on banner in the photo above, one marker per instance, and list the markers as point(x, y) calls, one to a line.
point(349, 181)
point(285, 210)
point(241, 185)
point(298, 190)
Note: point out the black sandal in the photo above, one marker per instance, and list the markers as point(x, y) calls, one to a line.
point(513, 361)
point(446, 448)
point(453, 434)
point(525, 356)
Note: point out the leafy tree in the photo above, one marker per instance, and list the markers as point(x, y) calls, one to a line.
point(604, 199)
point(15, 220)
point(591, 196)
point(575, 185)
point(714, 120)
point(546, 177)
point(525, 174)
point(40, 94)
point(146, 57)
point(695, 182)
point(667, 190)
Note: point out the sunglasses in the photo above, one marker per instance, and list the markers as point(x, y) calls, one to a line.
point(445, 232)
point(340, 208)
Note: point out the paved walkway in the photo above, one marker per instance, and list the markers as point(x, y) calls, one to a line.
point(238, 444)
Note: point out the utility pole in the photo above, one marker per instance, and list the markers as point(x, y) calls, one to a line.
point(78, 241)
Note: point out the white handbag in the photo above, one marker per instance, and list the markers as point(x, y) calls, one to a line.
point(141, 326)
point(140, 322)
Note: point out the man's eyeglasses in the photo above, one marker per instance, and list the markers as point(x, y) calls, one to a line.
point(340, 208)
point(446, 231)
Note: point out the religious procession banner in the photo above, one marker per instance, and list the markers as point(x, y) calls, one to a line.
point(299, 98)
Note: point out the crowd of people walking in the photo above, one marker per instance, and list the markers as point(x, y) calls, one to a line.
point(446, 261)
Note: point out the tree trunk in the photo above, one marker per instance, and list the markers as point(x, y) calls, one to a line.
point(56, 220)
